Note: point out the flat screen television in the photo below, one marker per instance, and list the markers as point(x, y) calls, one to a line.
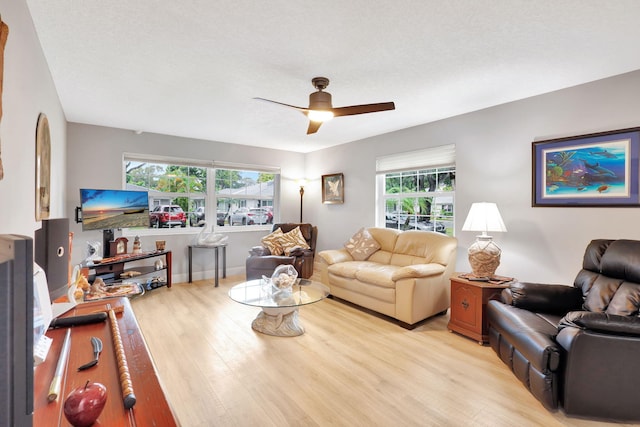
point(112, 209)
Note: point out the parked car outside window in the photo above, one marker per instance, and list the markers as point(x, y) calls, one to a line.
point(246, 216)
point(197, 217)
point(410, 224)
point(167, 216)
point(221, 216)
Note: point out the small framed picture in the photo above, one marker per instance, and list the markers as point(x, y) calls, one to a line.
point(333, 188)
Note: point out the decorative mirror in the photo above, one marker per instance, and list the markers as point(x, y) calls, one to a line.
point(43, 168)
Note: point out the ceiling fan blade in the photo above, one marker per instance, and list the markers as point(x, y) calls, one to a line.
point(304, 110)
point(313, 127)
point(363, 109)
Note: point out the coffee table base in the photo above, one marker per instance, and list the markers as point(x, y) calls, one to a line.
point(280, 322)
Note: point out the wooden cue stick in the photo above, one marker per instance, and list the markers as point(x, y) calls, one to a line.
point(123, 368)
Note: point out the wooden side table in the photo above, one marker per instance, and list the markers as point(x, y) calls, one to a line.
point(468, 303)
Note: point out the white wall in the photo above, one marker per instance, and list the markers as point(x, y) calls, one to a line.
point(493, 159)
point(28, 90)
point(95, 157)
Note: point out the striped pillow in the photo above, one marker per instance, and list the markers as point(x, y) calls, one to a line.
point(272, 242)
point(293, 239)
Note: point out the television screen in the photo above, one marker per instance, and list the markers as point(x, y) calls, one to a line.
point(111, 209)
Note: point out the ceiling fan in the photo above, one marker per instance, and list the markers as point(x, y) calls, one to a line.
point(320, 108)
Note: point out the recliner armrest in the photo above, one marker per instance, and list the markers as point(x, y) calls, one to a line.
point(300, 252)
point(602, 322)
point(259, 251)
point(543, 298)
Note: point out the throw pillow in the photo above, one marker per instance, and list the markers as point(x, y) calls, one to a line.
point(272, 242)
point(293, 239)
point(362, 245)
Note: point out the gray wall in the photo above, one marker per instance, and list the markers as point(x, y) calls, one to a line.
point(95, 156)
point(28, 90)
point(493, 157)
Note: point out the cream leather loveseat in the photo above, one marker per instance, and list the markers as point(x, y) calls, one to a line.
point(406, 278)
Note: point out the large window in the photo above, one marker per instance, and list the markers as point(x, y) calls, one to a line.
point(416, 190)
point(191, 194)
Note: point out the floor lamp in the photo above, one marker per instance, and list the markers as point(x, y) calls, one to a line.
point(301, 182)
point(484, 254)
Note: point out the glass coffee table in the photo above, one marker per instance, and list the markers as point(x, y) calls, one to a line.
point(279, 315)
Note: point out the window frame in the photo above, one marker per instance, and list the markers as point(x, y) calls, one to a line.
point(435, 160)
point(210, 195)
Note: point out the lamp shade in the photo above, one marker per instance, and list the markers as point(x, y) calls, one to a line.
point(484, 216)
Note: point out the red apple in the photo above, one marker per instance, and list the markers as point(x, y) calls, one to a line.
point(83, 405)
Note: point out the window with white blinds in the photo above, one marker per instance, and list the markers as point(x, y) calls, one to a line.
point(416, 190)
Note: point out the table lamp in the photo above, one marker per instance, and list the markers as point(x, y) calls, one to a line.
point(484, 254)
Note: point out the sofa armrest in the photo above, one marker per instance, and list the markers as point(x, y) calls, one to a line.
point(418, 270)
point(602, 322)
point(543, 298)
point(259, 251)
point(333, 256)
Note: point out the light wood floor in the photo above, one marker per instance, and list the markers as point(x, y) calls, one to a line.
point(349, 369)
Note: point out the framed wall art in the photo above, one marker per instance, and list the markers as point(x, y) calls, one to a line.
point(43, 168)
point(599, 169)
point(333, 188)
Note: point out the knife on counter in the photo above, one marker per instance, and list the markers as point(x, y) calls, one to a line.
point(97, 348)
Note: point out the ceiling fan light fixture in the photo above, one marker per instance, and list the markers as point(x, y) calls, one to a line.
point(320, 108)
point(319, 115)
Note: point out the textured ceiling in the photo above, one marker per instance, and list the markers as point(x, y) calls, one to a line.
point(192, 68)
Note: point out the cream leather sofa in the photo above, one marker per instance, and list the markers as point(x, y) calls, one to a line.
point(406, 279)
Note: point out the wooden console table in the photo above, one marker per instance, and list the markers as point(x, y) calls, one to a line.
point(151, 407)
point(111, 268)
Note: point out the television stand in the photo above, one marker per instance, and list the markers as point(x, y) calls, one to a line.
point(107, 236)
point(110, 270)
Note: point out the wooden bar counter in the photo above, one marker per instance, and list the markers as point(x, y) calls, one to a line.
point(151, 407)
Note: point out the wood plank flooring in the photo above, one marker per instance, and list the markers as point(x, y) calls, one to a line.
point(350, 368)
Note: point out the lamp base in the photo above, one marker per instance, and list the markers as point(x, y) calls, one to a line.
point(484, 257)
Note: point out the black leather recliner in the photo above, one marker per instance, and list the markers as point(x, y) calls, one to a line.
point(577, 347)
point(260, 261)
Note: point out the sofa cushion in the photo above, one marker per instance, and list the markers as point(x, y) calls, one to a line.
point(272, 242)
point(378, 275)
point(386, 237)
point(349, 269)
point(361, 245)
point(626, 300)
point(381, 257)
point(293, 239)
point(366, 272)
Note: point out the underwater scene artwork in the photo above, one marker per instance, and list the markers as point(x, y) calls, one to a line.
point(590, 170)
point(598, 169)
